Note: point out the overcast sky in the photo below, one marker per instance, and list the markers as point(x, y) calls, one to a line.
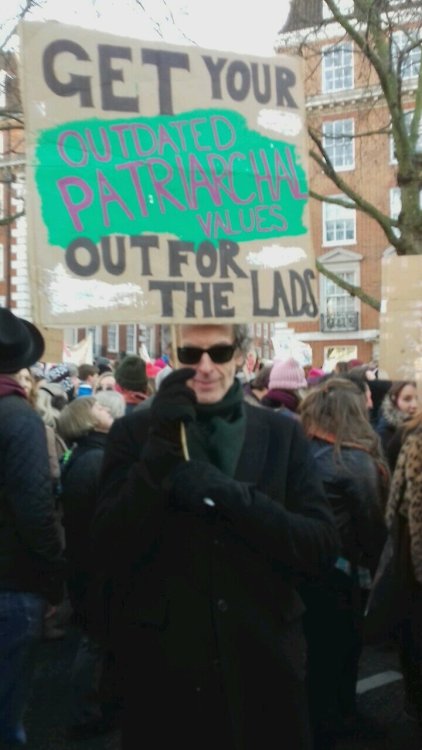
point(236, 25)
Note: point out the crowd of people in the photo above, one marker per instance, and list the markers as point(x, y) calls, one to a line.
point(211, 526)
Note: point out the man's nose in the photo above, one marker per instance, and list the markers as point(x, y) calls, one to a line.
point(205, 363)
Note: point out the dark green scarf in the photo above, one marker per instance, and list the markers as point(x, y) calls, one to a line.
point(218, 432)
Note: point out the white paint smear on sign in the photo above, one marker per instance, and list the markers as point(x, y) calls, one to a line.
point(283, 123)
point(275, 256)
point(68, 294)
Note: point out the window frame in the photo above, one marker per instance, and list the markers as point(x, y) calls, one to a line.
point(128, 349)
point(416, 52)
point(341, 140)
point(113, 337)
point(335, 48)
point(328, 207)
point(338, 262)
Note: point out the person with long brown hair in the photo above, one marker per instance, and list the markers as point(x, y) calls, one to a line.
point(349, 457)
point(399, 405)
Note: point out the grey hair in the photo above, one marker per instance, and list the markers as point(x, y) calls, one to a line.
point(242, 339)
point(113, 401)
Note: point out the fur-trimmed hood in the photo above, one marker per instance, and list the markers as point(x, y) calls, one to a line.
point(391, 414)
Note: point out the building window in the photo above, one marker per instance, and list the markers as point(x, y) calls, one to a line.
point(2, 201)
point(346, 8)
point(113, 337)
point(340, 312)
point(95, 332)
point(406, 53)
point(408, 116)
point(334, 354)
point(337, 67)
point(395, 206)
point(339, 223)
point(339, 144)
point(1, 261)
point(131, 338)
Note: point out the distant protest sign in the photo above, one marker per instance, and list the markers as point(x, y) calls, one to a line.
point(165, 183)
point(401, 318)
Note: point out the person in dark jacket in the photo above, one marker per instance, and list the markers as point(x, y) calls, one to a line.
point(349, 457)
point(31, 563)
point(210, 512)
point(132, 381)
point(83, 424)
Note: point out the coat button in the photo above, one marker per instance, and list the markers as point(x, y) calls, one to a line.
point(222, 605)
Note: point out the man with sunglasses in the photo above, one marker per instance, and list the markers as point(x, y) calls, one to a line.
point(211, 512)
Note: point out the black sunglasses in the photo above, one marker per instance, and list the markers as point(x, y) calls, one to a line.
point(191, 355)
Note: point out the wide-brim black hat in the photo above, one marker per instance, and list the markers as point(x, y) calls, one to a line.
point(21, 343)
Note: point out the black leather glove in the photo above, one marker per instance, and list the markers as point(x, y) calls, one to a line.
point(200, 487)
point(173, 404)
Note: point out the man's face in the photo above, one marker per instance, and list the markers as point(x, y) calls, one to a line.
point(211, 380)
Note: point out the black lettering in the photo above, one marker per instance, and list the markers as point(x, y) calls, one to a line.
point(214, 69)
point(106, 53)
point(311, 306)
point(201, 295)
point(177, 255)
point(221, 302)
point(166, 288)
point(144, 242)
point(164, 62)
point(206, 259)
point(284, 80)
point(74, 264)
point(280, 293)
point(117, 267)
point(240, 71)
point(263, 97)
point(227, 251)
point(297, 284)
point(76, 84)
point(256, 308)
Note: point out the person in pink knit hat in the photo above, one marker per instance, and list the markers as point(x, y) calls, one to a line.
point(287, 380)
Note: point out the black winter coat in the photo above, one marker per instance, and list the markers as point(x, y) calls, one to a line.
point(80, 487)
point(207, 595)
point(30, 548)
point(353, 488)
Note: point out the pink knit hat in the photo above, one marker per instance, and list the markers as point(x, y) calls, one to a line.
point(288, 375)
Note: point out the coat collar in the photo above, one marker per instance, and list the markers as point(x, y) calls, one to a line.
point(255, 447)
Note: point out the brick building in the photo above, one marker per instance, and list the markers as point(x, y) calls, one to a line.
point(344, 103)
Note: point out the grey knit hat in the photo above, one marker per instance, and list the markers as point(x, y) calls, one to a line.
point(131, 374)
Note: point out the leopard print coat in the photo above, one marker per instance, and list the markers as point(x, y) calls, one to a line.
point(406, 495)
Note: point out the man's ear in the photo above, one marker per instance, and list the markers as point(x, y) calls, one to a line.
point(239, 358)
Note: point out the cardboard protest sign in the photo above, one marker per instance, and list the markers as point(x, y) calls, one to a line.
point(53, 339)
point(401, 317)
point(165, 183)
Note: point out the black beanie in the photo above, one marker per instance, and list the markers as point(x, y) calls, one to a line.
point(131, 374)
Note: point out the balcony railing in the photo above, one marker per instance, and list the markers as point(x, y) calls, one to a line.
point(347, 321)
